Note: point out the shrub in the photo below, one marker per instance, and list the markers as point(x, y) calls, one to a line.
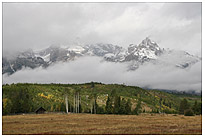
point(188, 112)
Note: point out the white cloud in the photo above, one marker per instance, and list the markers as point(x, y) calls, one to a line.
point(89, 69)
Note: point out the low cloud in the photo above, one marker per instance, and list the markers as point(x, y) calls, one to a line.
point(89, 69)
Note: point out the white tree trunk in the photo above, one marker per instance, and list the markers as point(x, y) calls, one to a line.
point(94, 107)
point(74, 104)
point(66, 102)
point(78, 103)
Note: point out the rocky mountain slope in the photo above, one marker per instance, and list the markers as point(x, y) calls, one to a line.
point(134, 55)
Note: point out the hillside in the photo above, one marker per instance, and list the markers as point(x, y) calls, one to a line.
point(26, 98)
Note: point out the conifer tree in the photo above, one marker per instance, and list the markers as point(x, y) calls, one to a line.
point(128, 107)
point(194, 108)
point(108, 106)
point(197, 108)
point(92, 84)
point(123, 106)
point(138, 107)
point(183, 106)
point(116, 105)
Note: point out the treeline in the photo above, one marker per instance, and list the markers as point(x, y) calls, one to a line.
point(19, 100)
point(25, 99)
point(118, 105)
point(94, 98)
point(186, 109)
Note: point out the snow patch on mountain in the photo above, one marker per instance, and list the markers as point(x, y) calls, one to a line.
point(134, 56)
point(76, 49)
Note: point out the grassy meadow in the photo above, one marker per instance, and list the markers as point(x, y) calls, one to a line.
point(77, 124)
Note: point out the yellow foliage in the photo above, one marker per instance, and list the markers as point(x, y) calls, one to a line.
point(164, 106)
point(5, 101)
point(50, 96)
point(44, 96)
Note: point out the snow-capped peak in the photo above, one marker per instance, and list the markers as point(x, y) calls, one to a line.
point(149, 43)
point(136, 55)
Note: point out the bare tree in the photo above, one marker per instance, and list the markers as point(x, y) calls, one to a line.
point(74, 103)
point(78, 102)
point(66, 93)
point(66, 103)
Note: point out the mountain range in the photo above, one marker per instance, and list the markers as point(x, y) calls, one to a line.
point(135, 56)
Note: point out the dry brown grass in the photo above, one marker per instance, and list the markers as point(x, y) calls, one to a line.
point(101, 124)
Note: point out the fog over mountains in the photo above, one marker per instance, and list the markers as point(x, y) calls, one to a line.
point(134, 59)
point(134, 56)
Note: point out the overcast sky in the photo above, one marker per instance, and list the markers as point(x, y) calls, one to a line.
point(39, 25)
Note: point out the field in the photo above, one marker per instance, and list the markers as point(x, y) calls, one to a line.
point(61, 124)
